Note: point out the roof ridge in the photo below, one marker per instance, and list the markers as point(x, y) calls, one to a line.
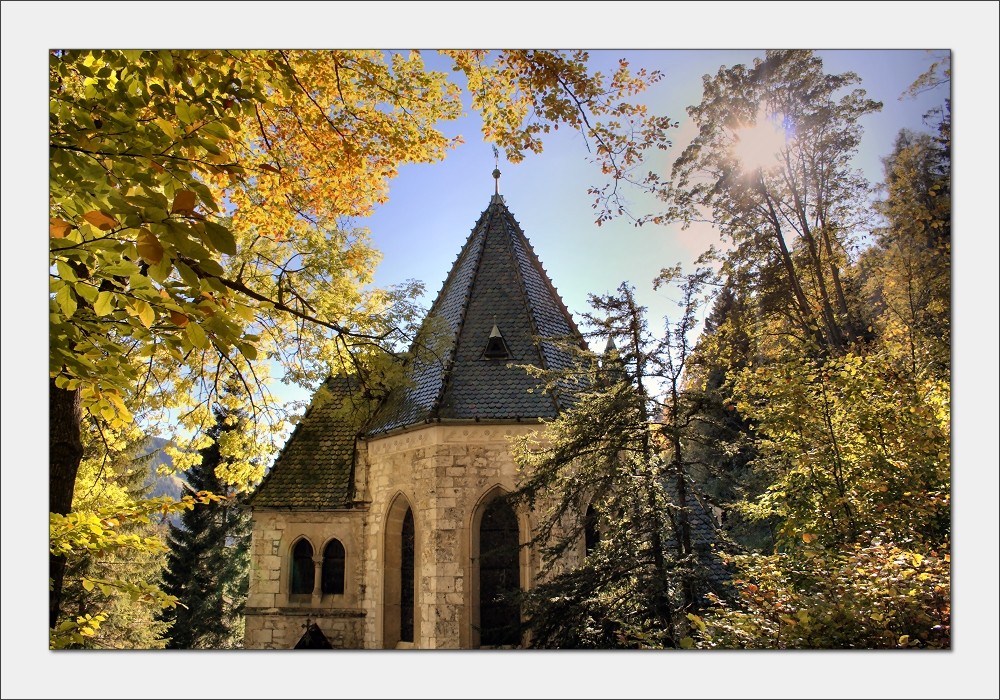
point(484, 223)
point(537, 263)
point(523, 288)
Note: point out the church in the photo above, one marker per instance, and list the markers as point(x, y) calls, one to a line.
point(388, 533)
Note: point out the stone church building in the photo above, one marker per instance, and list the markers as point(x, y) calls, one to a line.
point(385, 535)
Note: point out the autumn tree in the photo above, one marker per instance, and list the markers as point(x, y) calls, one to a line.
point(116, 472)
point(208, 565)
point(198, 202)
point(771, 168)
point(852, 439)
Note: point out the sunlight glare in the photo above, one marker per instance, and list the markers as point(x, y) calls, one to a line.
point(758, 146)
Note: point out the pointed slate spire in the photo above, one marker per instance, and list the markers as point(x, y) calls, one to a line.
point(496, 283)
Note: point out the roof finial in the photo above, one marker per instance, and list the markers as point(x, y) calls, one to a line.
point(496, 169)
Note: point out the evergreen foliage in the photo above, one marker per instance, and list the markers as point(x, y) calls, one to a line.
point(616, 452)
point(209, 560)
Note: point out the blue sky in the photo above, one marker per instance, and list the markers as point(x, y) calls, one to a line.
point(432, 207)
point(547, 194)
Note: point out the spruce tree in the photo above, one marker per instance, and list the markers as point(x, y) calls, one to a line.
point(621, 518)
point(208, 563)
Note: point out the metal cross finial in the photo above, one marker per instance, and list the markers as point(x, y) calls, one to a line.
point(496, 169)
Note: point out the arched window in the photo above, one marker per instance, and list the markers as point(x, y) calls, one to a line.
point(400, 624)
point(407, 578)
point(334, 558)
point(499, 575)
point(591, 535)
point(302, 567)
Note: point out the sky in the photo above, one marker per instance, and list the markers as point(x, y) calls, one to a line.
point(421, 230)
point(432, 207)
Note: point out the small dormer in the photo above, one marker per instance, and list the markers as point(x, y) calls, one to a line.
point(496, 346)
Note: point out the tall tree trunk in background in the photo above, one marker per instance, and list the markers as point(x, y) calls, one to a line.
point(65, 452)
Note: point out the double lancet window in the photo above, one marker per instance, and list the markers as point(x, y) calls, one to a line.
point(303, 570)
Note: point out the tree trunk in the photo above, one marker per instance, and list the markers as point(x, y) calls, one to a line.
point(65, 452)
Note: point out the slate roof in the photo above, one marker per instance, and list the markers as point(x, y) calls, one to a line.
point(315, 469)
point(496, 280)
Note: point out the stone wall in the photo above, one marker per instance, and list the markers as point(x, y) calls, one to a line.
point(445, 473)
point(275, 618)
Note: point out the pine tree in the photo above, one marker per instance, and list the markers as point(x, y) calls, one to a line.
point(209, 559)
point(613, 488)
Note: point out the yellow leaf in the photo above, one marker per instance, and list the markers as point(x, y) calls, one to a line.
point(58, 228)
point(149, 247)
point(699, 623)
point(904, 640)
point(184, 202)
point(88, 585)
point(165, 126)
point(100, 220)
point(145, 313)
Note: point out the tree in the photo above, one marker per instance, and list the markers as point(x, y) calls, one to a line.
point(770, 167)
point(909, 268)
point(115, 474)
point(612, 468)
point(196, 202)
point(853, 444)
point(208, 565)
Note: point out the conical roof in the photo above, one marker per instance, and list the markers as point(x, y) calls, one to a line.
point(459, 369)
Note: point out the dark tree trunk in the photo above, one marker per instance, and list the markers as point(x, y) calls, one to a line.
point(65, 452)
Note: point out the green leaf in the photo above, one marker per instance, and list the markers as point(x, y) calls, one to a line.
point(221, 238)
point(102, 307)
point(687, 643)
point(65, 271)
point(161, 270)
point(183, 112)
point(66, 300)
point(248, 350)
point(86, 291)
point(188, 275)
point(196, 335)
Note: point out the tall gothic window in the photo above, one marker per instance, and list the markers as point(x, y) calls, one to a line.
point(591, 534)
point(302, 567)
point(499, 576)
point(406, 579)
point(399, 623)
point(334, 559)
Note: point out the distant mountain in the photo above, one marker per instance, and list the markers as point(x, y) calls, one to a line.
point(171, 484)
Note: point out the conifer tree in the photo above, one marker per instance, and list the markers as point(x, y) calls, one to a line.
point(209, 559)
point(612, 488)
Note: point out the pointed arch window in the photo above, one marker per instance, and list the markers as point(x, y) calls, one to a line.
point(334, 559)
point(499, 575)
point(591, 533)
point(303, 576)
point(407, 578)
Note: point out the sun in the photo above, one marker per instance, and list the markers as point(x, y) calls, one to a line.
point(759, 145)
